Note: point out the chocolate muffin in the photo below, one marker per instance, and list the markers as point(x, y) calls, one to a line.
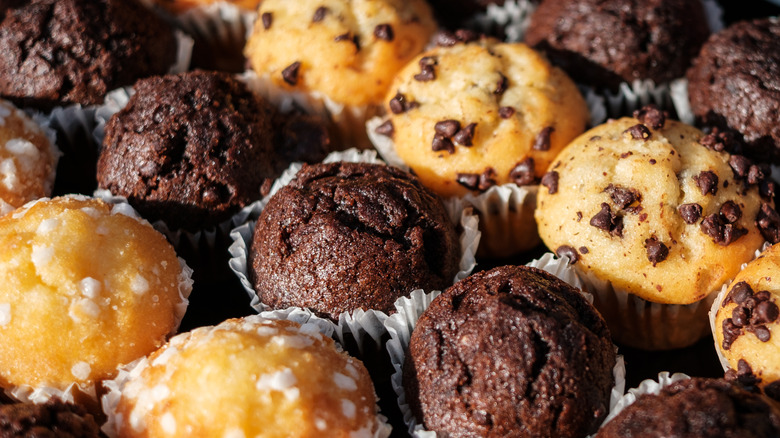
point(510, 352)
point(58, 52)
point(734, 86)
point(52, 419)
point(605, 42)
point(346, 236)
point(189, 149)
point(696, 408)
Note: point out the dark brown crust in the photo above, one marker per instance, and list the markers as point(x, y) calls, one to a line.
point(343, 236)
point(510, 352)
point(601, 43)
point(68, 51)
point(697, 408)
point(734, 85)
point(190, 149)
point(54, 419)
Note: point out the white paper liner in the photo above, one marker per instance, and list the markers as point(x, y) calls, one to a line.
point(401, 324)
point(512, 19)
point(221, 24)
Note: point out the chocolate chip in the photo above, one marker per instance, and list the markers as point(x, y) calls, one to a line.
point(487, 179)
point(267, 18)
point(730, 333)
point(579, 216)
point(622, 197)
point(445, 39)
point(768, 223)
point(626, 154)
point(690, 212)
point(442, 143)
point(639, 132)
point(717, 140)
point(740, 316)
point(523, 172)
point(290, 73)
point(584, 250)
point(427, 73)
point(739, 293)
point(399, 104)
point(762, 295)
point(651, 116)
point(739, 165)
point(387, 129)
point(712, 226)
point(550, 180)
point(605, 220)
point(765, 312)
point(656, 250)
point(503, 82)
point(731, 233)
point(506, 112)
point(730, 211)
point(319, 14)
point(465, 135)
point(767, 189)
point(707, 182)
point(468, 180)
point(542, 141)
point(354, 39)
point(569, 252)
point(447, 128)
point(755, 175)
point(762, 333)
point(745, 375)
point(652, 161)
point(384, 32)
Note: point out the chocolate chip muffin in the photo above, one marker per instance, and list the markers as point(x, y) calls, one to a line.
point(52, 419)
point(734, 86)
point(510, 352)
point(189, 149)
point(605, 42)
point(747, 324)
point(346, 236)
point(58, 52)
point(696, 408)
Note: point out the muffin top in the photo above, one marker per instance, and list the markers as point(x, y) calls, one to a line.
point(605, 42)
point(734, 85)
point(189, 149)
point(84, 286)
point(347, 51)
point(466, 116)
point(513, 351)
point(51, 419)
point(249, 377)
point(651, 206)
point(696, 408)
point(343, 236)
point(58, 52)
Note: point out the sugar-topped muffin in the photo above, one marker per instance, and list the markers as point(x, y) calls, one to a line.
point(84, 287)
point(249, 377)
point(28, 159)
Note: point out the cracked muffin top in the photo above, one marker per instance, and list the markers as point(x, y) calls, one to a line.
point(58, 52)
point(189, 149)
point(513, 351)
point(343, 236)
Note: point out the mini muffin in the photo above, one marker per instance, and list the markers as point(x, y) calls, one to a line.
point(746, 326)
point(83, 288)
point(605, 42)
point(59, 52)
point(28, 160)
point(649, 206)
point(510, 352)
point(249, 377)
point(51, 419)
point(190, 149)
point(694, 408)
point(346, 236)
point(734, 85)
point(513, 118)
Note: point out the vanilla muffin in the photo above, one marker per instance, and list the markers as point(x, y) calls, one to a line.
point(248, 377)
point(643, 204)
point(468, 116)
point(84, 287)
point(28, 159)
point(746, 326)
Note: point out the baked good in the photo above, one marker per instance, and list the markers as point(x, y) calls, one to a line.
point(84, 287)
point(694, 408)
point(605, 42)
point(651, 207)
point(513, 351)
point(28, 159)
point(517, 113)
point(51, 419)
point(178, 6)
point(343, 236)
point(249, 377)
point(190, 149)
point(746, 324)
point(59, 52)
point(734, 86)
